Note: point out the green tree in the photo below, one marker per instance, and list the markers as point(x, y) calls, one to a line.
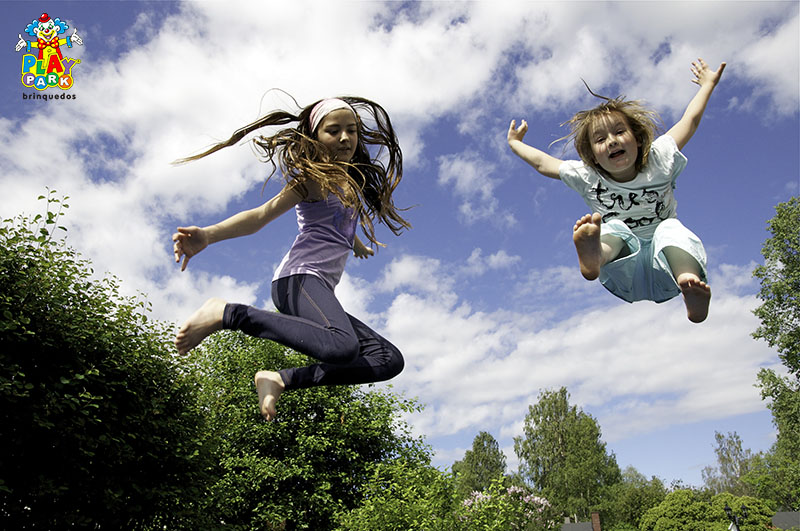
point(776, 475)
point(775, 479)
point(98, 423)
point(562, 455)
point(733, 462)
point(315, 461)
point(779, 312)
point(686, 510)
point(625, 503)
point(481, 465)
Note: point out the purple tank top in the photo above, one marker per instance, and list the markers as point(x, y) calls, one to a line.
point(327, 231)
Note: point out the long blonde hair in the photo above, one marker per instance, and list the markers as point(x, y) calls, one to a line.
point(301, 156)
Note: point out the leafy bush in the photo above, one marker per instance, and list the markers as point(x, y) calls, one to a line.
point(404, 495)
point(685, 510)
point(98, 422)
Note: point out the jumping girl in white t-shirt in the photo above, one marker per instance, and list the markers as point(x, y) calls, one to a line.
point(632, 240)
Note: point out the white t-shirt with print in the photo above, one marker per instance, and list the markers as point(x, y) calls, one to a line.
point(641, 203)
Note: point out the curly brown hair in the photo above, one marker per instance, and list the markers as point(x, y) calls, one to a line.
point(644, 123)
point(366, 183)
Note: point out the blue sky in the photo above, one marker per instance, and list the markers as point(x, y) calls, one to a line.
point(483, 295)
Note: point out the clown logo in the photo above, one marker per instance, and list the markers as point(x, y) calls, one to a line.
point(49, 68)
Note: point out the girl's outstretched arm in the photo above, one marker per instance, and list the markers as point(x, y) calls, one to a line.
point(683, 131)
point(545, 164)
point(191, 240)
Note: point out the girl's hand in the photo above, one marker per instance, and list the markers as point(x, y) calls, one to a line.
point(362, 251)
point(365, 252)
point(703, 75)
point(517, 133)
point(687, 126)
point(188, 242)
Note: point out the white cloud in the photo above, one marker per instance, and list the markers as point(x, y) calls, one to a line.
point(477, 264)
point(775, 56)
point(648, 57)
point(637, 368)
point(470, 178)
point(414, 273)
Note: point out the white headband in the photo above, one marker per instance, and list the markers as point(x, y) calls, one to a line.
point(325, 107)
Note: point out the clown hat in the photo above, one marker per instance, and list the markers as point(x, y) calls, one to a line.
point(44, 18)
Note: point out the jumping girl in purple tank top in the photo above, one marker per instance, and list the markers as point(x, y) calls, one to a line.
point(334, 184)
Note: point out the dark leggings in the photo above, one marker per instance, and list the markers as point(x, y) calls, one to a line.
point(312, 321)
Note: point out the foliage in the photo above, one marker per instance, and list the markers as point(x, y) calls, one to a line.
point(624, 503)
point(98, 422)
point(681, 510)
point(403, 495)
point(775, 478)
point(685, 510)
point(501, 508)
point(776, 475)
point(779, 312)
point(314, 461)
point(562, 455)
point(759, 513)
point(481, 465)
point(733, 462)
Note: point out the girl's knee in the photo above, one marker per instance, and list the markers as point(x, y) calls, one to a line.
point(399, 364)
point(395, 364)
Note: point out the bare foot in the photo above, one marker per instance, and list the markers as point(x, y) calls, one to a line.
point(269, 386)
point(696, 296)
point(586, 236)
point(205, 321)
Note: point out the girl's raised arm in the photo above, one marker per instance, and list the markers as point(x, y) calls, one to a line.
point(545, 164)
point(683, 131)
point(191, 240)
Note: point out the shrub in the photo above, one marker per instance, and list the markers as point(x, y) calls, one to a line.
point(404, 495)
point(98, 422)
point(501, 508)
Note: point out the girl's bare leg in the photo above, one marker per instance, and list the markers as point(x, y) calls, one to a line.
point(696, 293)
point(594, 252)
point(204, 322)
point(269, 386)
